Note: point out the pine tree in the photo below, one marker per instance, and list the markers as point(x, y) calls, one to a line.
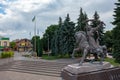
point(61, 41)
point(53, 46)
point(116, 32)
point(81, 21)
point(40, 48)
point(67, 35)
point(108, 40)
point(100, 33)
point(36, 40)
point(56, 39)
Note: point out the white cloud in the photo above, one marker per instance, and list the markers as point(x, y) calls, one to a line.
point(18, 16)
point(29, 5)
point(16, 22)
point(2, 33)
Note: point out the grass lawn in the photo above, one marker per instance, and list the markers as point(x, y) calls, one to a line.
point(112, 61)
point(46, 57)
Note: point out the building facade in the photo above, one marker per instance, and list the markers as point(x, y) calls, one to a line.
point(23, 45)
point(4, 42)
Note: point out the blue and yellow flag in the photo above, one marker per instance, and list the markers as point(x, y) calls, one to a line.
point(33, 19)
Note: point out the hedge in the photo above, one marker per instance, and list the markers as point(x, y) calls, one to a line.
point(7, 54)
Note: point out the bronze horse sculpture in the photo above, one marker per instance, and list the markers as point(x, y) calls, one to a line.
point(86, 44)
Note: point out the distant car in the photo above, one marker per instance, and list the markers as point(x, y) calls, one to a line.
point(6, 49)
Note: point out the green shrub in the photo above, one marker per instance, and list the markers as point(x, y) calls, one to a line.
point(11, 53)
point(112, 61)
point(7, 54)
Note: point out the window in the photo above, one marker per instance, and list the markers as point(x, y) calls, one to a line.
point(5, 43)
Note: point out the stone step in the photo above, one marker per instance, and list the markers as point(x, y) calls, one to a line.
point(56, 66)
point(38, 67)
point(5, 61)
point(35, 72)
point(42, 63)
point(62, 62)
point(53, 67)
point(4, 66)
point(35, 67)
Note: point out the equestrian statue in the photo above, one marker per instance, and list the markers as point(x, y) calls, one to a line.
point(86, 43)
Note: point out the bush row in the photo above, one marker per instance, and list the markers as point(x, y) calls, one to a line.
point(7, 54)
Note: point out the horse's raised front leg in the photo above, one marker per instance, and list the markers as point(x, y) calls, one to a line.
point(74, 51)
point(83, 57)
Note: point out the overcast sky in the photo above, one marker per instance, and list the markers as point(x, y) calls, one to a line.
point(16, 15)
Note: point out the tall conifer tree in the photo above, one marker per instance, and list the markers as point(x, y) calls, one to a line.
point(116, 32)
point(57, 38)
point(100, 33)
point(81, 21)
point(67, 35)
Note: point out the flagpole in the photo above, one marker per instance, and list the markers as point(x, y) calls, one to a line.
point(30, 35)
point(34, 20)
point(35, 35)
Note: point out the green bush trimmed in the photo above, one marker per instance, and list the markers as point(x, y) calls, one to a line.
point(7, 54)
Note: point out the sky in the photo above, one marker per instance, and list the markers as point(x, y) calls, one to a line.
point(16, 15)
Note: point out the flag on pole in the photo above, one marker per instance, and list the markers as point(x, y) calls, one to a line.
point(33, 19)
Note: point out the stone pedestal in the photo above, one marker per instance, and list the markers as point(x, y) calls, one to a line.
point(71, 72)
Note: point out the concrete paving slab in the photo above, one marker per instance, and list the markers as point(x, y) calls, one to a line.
point(9, 75)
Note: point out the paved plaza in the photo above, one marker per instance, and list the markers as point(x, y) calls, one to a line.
point(10, 75)
point(21, 68)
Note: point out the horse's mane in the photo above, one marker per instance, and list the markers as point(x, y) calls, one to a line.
point(80, 36)
point(81, 32)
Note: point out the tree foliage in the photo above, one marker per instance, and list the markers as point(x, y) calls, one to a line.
point(108, 39)
point(67, 36)
point(116, 32)
point(48, 36)
point(100, 33)
point(57, 38)
point(37, 45)
point(81, 21)
point(12, 45)
point(63, 38)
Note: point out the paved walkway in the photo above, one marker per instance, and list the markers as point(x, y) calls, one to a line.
point(18, 62)
point(9, 75)
point(5, 61)
point(18, 56)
